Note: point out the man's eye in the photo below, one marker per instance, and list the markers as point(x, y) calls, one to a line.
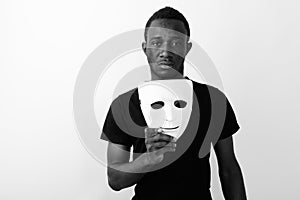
point(176, 43)
point(155, 43)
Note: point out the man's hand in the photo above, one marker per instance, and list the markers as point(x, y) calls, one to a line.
point(157, 144)
point(122, 173)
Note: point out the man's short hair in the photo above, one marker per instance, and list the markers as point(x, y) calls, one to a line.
point(167, 13)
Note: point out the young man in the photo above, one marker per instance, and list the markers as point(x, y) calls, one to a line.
point(166, 45)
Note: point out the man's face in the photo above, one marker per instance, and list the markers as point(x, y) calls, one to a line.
point(166, 47)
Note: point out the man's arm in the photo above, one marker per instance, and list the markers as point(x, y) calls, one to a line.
point(229, 170)
point(122, 173)
point(119, 167)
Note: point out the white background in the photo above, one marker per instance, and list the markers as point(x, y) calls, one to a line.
point(254, 44)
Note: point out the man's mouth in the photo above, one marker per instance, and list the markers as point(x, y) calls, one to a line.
point(165, 65)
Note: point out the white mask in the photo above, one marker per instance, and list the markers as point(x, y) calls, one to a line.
point(167, 104)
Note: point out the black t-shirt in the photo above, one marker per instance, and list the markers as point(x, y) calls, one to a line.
point(212, 119)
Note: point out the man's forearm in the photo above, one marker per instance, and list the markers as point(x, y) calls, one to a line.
point(123, 175)
point(233, 185)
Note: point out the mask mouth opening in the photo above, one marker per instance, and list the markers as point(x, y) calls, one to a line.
point(170, 128)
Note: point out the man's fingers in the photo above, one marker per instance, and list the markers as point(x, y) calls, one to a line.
point(155, 139)
point(151, 132)
point(155, 146)
point(159, 138)
point(165, 137)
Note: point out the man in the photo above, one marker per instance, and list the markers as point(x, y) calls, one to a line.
point(166, 45)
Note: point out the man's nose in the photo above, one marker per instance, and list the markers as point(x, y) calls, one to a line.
point(165, 50)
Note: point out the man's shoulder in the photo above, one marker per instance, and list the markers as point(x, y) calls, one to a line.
point(201, 88)
point(130, 95)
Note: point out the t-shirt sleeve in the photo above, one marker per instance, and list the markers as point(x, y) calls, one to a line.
point(114, 128)
point(231, 125)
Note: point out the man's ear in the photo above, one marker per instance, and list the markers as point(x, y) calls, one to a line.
point(188, 48)
point(144, 47)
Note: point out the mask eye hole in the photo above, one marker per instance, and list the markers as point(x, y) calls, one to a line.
point(180, 103)
point(157, 104)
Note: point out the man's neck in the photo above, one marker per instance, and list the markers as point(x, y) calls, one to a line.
point(155, 77)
